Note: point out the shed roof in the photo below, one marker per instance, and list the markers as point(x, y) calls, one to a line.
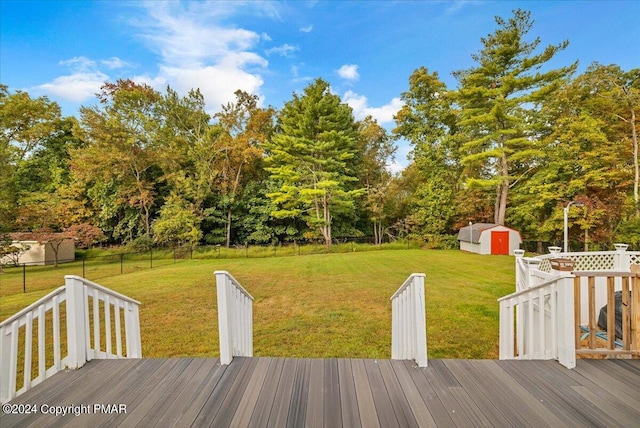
point(477, 228)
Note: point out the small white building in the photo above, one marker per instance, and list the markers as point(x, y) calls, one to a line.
point(489, 238)
point(44, 253)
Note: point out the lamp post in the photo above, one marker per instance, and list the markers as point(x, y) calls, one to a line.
point(566, 222)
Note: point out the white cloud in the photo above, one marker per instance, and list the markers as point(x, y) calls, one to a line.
point(198, 51)
point(285, 50)
point(114, 62)
point(217, 83)
point(306, 29)
point(395, 167)
point(361, 108)
point(79, 63)
point(349, 72)
point(265, 37)
point(82, 84)
point(76, 87)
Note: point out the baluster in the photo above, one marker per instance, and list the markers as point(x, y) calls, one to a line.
point(577, 305)
point(611, 313)
point(553, 307)
point(592, 312)
point(28, 337)
point(635, 312)
point(530, 327)
point(41, 343)
point(116, 310)
point(56, 333)
point(107, 324)
point(625, 314)
point(13, 362)
point(96, 323)
point(541, 323)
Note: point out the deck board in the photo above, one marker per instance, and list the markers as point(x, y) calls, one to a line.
point(348, 398)
point(299, 394)
point(262, 410)
point(366, 405)
point(384, 410)
point(315, 404)
point(331, 400)
point(503, 391)
point(477, 390)
point(340, 392)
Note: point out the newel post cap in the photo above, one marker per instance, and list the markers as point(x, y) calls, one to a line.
point(621, 247)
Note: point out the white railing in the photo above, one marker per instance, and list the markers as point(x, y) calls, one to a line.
point(81, 305)
point(552, 312)
point(408, 321)
point(235, 318)
point(538, 323)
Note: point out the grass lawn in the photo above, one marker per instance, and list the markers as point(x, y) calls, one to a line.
point(330, 305)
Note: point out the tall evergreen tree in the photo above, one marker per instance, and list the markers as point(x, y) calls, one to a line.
point(499, 100)
point(310, 156)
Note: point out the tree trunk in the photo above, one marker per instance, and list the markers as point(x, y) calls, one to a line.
point(229, 227)
point(636, 180)
point(327, 221)
point(586, 239)
point(504, 190)
point(375, 232)
point(496, 207)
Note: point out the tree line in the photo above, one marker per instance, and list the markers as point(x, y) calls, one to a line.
point(512, 144)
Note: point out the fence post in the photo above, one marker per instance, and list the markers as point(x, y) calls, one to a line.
point(24, 277)
point(83, 273)
point(76, 319)
point(621, 257)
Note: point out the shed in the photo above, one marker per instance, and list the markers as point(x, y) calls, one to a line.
point(489, 238)
point(44, 253)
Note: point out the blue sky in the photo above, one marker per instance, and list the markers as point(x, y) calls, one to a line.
point(366, 49)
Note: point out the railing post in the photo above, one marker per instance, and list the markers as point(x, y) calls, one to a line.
point(132, 330)
point(519, 261)
point(566, 323)
point(224, 318)
point(420, 321)
point(76, 322)
point(408, 321)
point(7, 390)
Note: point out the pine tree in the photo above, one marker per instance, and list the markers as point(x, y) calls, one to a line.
point(499, 100)
point(310, 156)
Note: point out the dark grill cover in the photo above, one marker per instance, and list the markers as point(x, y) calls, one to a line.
point(602, 318)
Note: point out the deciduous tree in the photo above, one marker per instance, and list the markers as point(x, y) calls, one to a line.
point(244, 129)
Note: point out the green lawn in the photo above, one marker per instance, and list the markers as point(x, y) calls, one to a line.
point(330, 305)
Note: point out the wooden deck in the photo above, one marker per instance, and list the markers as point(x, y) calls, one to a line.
point(283, 392)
